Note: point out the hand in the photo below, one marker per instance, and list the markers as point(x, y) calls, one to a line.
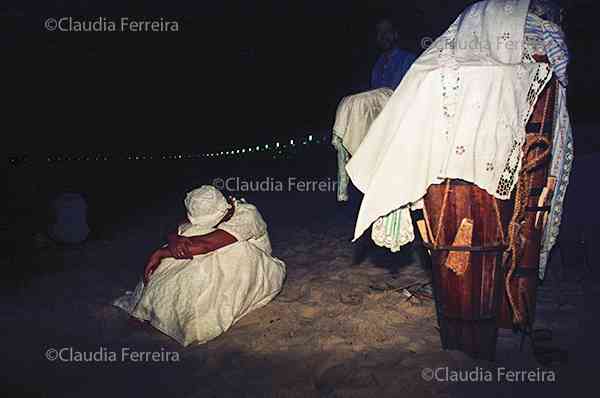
point(179, 246)
point(152, 265)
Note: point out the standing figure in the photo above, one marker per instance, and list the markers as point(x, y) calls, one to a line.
point(478, 135)
point(355, 113)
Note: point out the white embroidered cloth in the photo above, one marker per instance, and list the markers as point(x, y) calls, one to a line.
point(460, 112)
point(196, 300)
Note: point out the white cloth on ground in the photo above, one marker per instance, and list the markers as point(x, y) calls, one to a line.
point(194, 301)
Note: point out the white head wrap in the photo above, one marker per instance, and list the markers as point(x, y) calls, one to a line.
point(206, 206)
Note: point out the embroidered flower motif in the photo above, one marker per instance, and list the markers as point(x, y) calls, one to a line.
point(489, 166)
point(460, 150)
point(508, 8)
point(505, 36)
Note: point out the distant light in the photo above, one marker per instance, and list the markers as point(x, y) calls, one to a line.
point(277, 145)
point(238, 151)
point(267, 146)
point(258, 148)
point(249, 149)
point(244, 150)
point(310, 137)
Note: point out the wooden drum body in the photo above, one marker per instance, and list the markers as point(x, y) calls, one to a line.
point(485, 251)
point(466, 234)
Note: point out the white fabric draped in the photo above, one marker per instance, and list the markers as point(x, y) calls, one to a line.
point(354, 116)
point(460, 112)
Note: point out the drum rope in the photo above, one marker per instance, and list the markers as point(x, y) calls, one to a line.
point(521, 199)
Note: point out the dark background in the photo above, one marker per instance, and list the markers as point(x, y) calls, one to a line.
point(237, 72)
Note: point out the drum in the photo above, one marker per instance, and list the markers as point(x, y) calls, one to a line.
point(485, 251)
point(466, 235)
point(524, 279)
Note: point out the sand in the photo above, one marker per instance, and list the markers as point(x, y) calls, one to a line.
point(343, 326)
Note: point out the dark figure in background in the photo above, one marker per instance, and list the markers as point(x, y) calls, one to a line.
point(356, 112)
point(394, 62)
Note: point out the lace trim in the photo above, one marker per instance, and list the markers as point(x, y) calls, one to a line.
point(508, 178)
point(563, 153)
point(393, 230)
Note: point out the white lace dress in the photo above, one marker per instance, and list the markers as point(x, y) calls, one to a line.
point(194, 301)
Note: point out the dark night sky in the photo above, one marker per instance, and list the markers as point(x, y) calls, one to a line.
point(241, 72)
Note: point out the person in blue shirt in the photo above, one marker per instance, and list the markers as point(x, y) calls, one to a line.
point(394, 62)
point(355, 113)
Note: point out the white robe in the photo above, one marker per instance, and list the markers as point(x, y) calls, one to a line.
point(194, 301)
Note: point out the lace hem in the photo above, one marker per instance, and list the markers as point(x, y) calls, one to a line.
point(393, 230)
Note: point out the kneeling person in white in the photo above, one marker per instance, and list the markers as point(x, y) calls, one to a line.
point(216, 269)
